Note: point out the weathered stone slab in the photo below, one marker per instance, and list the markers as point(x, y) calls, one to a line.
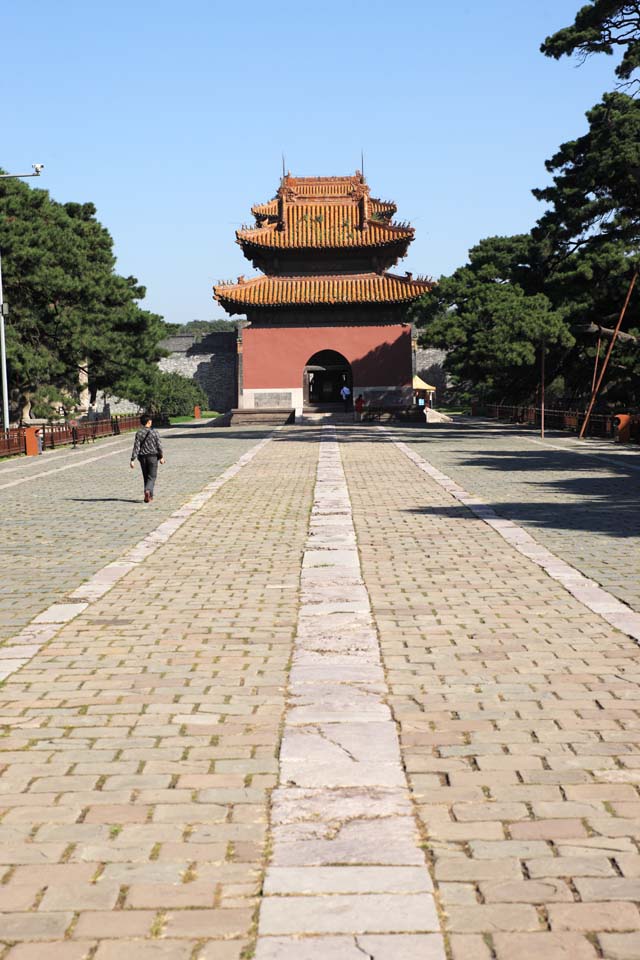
point(306, 656)
point(337, 742)
point(295, 804)
point(348, 703)
point(367, 913)
point(313, 576)
point(345, 879)
point(389, 840)
point(334, 608)
point(358, 641)
point(364, 672)
point(381, 947)
point(344, 774)
point(331, 589)
point(338, 557)
point(60, 612)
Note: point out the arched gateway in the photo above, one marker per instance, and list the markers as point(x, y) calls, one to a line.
point(325, 374)
point(325, 246)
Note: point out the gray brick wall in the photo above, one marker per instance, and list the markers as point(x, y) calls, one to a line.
point(429, 362)
point(211, 363)
point(108, 406)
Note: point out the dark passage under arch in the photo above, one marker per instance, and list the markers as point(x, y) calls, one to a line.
point(325, 374)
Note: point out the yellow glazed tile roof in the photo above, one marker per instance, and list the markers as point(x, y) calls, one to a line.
point(324, 186)
point(384, 208)
point(268, 209)
point(314, 290)
point(324, 225)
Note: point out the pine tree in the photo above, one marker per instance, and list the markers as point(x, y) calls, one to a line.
point(68, 307)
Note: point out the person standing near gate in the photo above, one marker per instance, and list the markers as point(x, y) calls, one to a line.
point(147, 449)
point(345, 393)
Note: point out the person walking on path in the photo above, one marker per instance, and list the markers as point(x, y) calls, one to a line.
point(147, 449)
point(358, 408)
point(345, 393)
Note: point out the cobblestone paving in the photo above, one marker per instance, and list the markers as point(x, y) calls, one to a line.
point(59, 529)
point(585, 509)
point(517, 711)
point(142, 741)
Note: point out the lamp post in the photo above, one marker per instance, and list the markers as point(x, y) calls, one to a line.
point(37, 170)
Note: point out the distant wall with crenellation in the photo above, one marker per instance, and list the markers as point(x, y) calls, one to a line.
point(211, 362)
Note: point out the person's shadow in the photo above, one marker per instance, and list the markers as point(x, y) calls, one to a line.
point(104, 499)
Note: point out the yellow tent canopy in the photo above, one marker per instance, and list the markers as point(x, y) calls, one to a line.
point(419, 384)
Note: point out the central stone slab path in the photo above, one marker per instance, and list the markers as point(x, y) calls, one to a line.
point(347, 876)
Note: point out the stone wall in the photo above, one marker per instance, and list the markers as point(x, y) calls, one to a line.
point(211, 362)
point(108, 406)
point(429, 362)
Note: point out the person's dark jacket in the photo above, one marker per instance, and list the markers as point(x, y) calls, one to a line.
point(147, 444)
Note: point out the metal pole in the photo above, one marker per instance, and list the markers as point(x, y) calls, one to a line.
point(605, 362)
point(3, 360)
point(542, 374)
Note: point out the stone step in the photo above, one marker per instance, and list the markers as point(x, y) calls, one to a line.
point(261, 416)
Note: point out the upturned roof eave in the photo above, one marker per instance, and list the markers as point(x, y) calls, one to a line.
point(400, 236)
point(233, 307)
point(270, 207)
point(235, 295)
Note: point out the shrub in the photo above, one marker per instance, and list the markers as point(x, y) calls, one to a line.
point(173, 395)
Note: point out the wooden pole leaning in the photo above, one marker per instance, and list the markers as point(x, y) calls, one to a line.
point(605, 362)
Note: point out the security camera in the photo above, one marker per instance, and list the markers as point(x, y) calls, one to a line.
point(38, 168)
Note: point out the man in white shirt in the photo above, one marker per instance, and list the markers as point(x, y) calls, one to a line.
point(345, 393)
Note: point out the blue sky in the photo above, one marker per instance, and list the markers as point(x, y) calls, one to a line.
point(172, 118)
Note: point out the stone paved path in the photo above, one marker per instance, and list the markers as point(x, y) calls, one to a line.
point(59, 528)
point(517, 710)
point(582, 501)
point(142, 741)
point(221, 730)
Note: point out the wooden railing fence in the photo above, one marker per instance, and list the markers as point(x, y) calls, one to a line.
point(12, 441)
point(600, 425)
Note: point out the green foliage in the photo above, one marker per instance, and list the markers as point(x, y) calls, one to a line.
point(68, 307)
point(200, 328)
point(50, 403)
point(559, 283)
point(592, 230)
point(168, 393)
point(595, 195)
point(492, 318)
point(601, 26)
